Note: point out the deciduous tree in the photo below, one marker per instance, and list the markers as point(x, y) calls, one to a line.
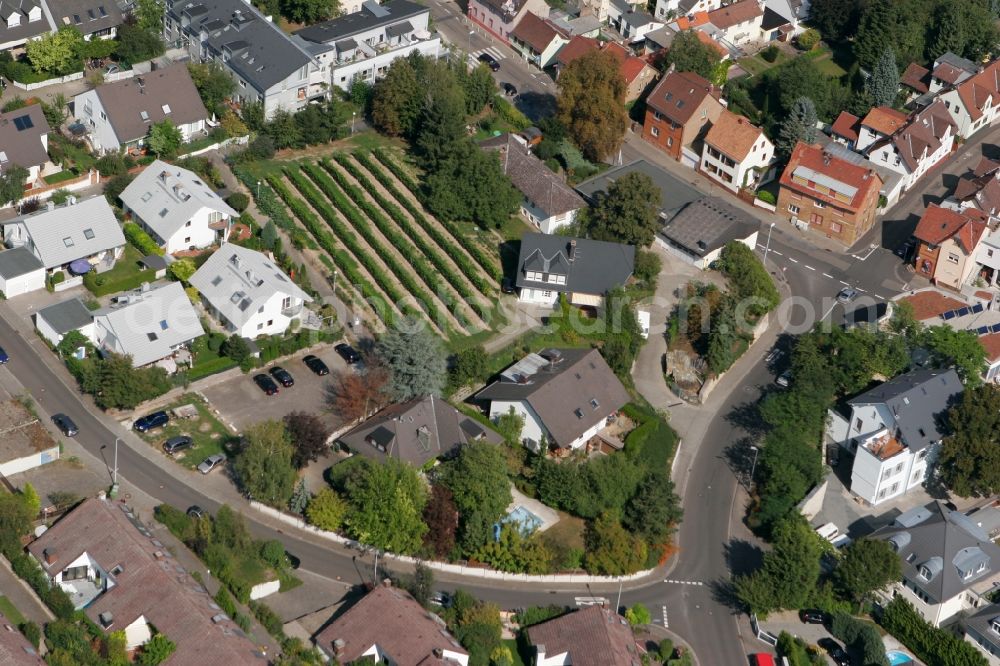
point(355, 395)
point(387, 501)
point(790, 571)
point(182, 270)
point(687, 53)
point(627, 212)
point(309, 11)
point(214, 86)
point(308, 434)
point(970, 457)
point(414, 358)
point(478, 481)
point(441, 516)
point(12, 182)
point(612, 551)
point(149, 15)
point(136, 45)
point(264, 466)
point(55, 53)
point(654, 510)
point(327, 510)
point(469, 366)
point(396, 101)
point(867, 565)
point(164, 139)
point(591, 104)
point(959, 348)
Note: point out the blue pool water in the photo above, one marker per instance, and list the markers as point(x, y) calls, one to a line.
point(526, 521)
point(897, 658)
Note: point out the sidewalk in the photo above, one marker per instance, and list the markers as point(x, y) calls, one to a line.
point(24, 599)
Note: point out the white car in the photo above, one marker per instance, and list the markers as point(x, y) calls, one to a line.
point(211, 462)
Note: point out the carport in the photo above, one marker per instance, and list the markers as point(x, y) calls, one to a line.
point(20, 272)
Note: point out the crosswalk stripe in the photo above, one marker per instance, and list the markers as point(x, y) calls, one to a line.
point(473, 57)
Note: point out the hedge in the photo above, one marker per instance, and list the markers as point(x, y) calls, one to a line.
point(101, 286)
point(141, 240)
point(474, 274)
point(481, 257)
point(210, 367)
point(326, 241)
point(937, 647)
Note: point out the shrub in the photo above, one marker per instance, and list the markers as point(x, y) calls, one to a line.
point(930, 644)
point(767, 197)
point(238, 201)
point(115, 186)
point(112, 165)
point(226, 602)
point(268, 618)
point(808, 40)
point(60, 196)
point(58, 277)
point(141, 240)
point(770, 54)
point(862, 636)
point(31, 632)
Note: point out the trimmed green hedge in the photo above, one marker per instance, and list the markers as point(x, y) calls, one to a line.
point(481, 257)
point(141, 240)
point(211, 367)
point(101, 286)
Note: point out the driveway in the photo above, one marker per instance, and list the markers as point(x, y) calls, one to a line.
point(241, 403)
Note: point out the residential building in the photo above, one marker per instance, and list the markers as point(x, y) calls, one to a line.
point(988, 258)
point(538, 40)
point(361, 46)
point(950, 70)
point(601, 9)
point(565, 396)
point(699, 231)
point(679, 111)
point(947, 561)
point(828, 195)
point(675, 193)
point(24, 142)
point(177, 208)
point(582, 269)
point(154, 325)
point(21, 272)
point(249, 294)
point(923, 142)
point(774, 27)
point(991, 343)
point(549, 203)
point(880, 123)
point(15, 650)
point(124, 579)
point(25, 444)
point(95, 19)
point(501, 17)
point(631, 21)
point(739, 23)
point(55, 321)
point(22, 20)
point(982, 629)
point(389, 626)
point(637, 72)
point(846, 130)
point(736, 154)
point(417, 432)
point(268, 66)
point(590, 636)
point(118, 115)
point(668, 9)
point(917, 79)
point(975, 102)
point(76, 237)
point(948, 241)
point(894, 432)
point(975, 188)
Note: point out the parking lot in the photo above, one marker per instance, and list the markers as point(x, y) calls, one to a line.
point(240, 402)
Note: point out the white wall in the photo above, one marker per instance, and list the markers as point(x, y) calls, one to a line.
point(374, 68)
point(541, 296)
point(954, 104)
point(258, 323)
point(197, 234)
point(547, 225)
point(88, 109)
point(262, 590)
point(23, 284)
point(533, 429)
point(562, 659)
point(19, 465)
point(137, 633)
point(50, 334)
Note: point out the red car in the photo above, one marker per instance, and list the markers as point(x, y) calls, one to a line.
point(761, 659)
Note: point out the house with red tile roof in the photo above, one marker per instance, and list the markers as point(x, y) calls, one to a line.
point(880, 123)
point(736, 154)
point(638, 73)
point(828, 195)
point(975, 102)
point(501, 17)
point(679, 111)
point(538, 40)
point(591, 636)
point(922, 142)
point(846, 129)
point(950, 70)
point(916, 78)
point(739, 23)
point(667, 8)
point(947, 244)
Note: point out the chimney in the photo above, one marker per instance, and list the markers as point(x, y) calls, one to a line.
point(826, 158)
point(572, 250)
point(50, 555)
point(539, 653)
point(142, 85)
point(386, 582)
point(338, 647)
point(438, 652)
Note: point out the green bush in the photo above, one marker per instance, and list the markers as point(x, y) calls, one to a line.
point(808, 40)
point(510, 114)
point(210, 367)
point(930, 644)
point(862, 636)
point(767, 197)
point(60, 196)
point(226, 602)
point(179, 523)
point(141, 240)
point(31, 632)
point(770, 54)
point(268, 618)
point(112, 165)
point(58, 277)
point(238, 201)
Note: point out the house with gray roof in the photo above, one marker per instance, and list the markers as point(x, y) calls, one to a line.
point(95, 19)
point(982, 630)
point(582, 269)
point(21, 20)
point(360, 46)
point(24, 141)
point(269, 66)
point(21, 272)
point(118, 114)
point(76, 237)
point(566, 397)
point(675, 194)
point(948, 562)
point(417, 432)
point(153, 324)
point(248, 293)
point(548, 203)
point(177, 208)
point(698, 232)
point(895, 430)
point(55, 321)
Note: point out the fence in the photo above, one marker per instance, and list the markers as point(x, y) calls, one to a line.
point(762, 635)
point(236, 140)
point(48, 82)
point(760, 203)
point(89, 179)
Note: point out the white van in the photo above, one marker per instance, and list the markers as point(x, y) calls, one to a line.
point(828, 531)
point(643, 318)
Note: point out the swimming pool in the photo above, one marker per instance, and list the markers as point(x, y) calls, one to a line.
point(897, 658)
point(526, 521)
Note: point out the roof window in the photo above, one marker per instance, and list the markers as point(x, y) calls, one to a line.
point(88, 234)
point(68, 242)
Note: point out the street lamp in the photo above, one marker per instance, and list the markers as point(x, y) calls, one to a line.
point(353, 115)
point(768, 247)
point(258, 190)
point(471, 33)
point(334, 281)
point(753, 466)
point(114, 477)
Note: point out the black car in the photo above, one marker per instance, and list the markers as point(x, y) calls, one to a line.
point(507, 285)
point(151, 421)
point(282, 376)
point(293, 562)
point(812, 616)
point(265, 383)
point(489, 61)
point(349, 353)
point(837, 653)
point(195, 511)
point(316, 364)
point(509, 89)
point(178, 443)
point(65, 424)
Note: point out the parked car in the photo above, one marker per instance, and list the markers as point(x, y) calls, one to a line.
point(836, 652)
point(265, 383)
point(151, 421)
point(282, 376)
point(316, 364)
point(813, 616)
point(508, 89)
point(442, 599)
point(211, 462)
point(112, 69)
point(177, 444)
point(65, 425)
point(847, 294)
point(293, 562)
point(195, 511)
point(3, 356)
point(489, 61)
point(348, 353)
point(784, 379)
point(761, 659)
point(507, 285)
point(773, 356)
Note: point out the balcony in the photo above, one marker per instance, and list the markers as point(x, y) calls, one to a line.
point(292, 310)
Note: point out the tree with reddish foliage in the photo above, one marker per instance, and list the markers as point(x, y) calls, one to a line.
point(309, 436)
point(354, 395)
point(441, 516)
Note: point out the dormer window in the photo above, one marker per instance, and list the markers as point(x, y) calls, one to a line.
point(924, 572)
point(995, 625)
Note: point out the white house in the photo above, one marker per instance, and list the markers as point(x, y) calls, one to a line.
point(668, 9)
point(988, 258)
point(925, 140)
point(248, 293)
point(564, 395)
point(894, 434)
point(24, 142)
point(20, 21)
point(21, 272)
point(151, 326)
point(119, 114)
point(948, 562)
point(975, 102)
point(361, 46)
point(55, 321)
point(177, 208)
point(76, 237)
point(739, 23)
point(631, 22)
point(736, 154)
point(982, 630)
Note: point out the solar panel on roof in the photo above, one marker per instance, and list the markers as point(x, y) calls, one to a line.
point(950, 314)
point(982, 330)
point(978, 307)
point(23, 122)
point(995, 328)
point(961, 312)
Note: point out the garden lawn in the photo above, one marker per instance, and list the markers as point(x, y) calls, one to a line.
point(60, 177)
point(126, 275)
point(206, 361)
point(511, 644)
point(755, 65)
point(10, 612)
point(653, 441)
point(208, 433)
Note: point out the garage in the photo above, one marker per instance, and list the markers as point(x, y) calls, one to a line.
point(55, 321)
point(20, 272)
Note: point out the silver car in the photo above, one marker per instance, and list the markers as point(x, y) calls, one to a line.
point(211, 462)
